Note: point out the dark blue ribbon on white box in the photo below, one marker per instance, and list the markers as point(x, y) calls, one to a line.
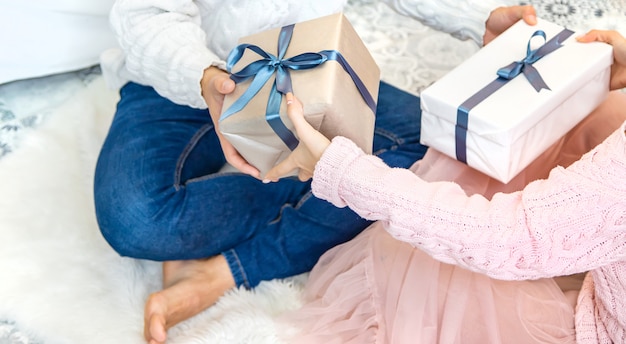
point(261, 71)
point(506, 74)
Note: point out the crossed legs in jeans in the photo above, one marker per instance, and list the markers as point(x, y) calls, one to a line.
point(160, 195)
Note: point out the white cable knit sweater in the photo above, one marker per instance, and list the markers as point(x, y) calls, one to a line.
point(167, 44)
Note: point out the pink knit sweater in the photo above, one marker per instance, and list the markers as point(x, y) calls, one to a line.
point(572, 222)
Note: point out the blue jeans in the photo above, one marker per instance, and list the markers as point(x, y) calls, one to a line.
point(160, 195)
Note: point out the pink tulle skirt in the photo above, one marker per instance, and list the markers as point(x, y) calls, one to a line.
point(386, 291)
point(376, 289)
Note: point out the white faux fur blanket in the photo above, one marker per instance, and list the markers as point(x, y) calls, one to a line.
point(65, 284)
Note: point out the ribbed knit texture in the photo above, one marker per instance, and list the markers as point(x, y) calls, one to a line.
point(572, 222)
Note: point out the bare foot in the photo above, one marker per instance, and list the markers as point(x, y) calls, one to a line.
point(189, 287)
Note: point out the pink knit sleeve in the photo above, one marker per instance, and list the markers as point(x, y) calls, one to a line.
point(572, 222)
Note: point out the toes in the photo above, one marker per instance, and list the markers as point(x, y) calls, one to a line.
point(154, 320)
point(157, 329)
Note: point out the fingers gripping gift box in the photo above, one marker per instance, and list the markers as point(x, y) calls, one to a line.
point(332, 73)
point(514, 98)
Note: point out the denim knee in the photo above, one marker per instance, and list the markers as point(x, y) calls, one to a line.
point(127, 228)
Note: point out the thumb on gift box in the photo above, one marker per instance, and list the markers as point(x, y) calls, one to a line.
point(215, 84)
point(309, 151)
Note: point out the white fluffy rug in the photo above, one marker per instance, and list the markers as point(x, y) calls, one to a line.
point(65, 284)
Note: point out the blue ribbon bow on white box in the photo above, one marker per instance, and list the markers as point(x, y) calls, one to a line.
point(506, 74)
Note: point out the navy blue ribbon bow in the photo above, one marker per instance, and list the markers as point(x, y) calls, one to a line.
point(261, 70)
point(506, 74)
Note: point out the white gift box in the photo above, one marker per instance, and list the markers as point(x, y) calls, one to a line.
point(505, 130)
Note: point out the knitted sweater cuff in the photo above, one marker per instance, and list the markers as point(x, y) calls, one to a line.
point(329, 171)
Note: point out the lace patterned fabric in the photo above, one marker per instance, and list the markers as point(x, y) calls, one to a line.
point(412, 56)
point(25, 104)
point(10, 334)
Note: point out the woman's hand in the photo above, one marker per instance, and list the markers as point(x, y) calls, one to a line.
point(309, 151)
point(503, 18)
point(215, 85)
point(614, 38)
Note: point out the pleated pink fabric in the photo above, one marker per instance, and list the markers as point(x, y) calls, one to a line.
point(386, 291)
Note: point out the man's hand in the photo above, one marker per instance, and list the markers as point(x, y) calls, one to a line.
point(215, 85)
point(614, 38)
point(503, 18)
point(309, 151)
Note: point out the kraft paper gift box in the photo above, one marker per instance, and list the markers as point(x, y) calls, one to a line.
point(499, 126)
point(338, 94)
